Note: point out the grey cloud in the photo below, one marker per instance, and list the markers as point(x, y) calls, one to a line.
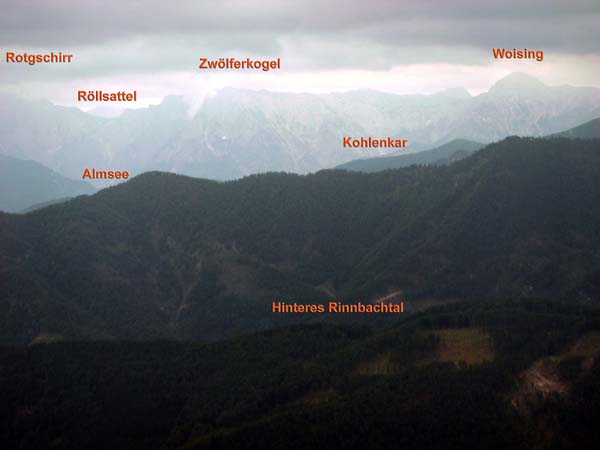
point(75, 22)
point(128, 36)
point(569, 34)
point(153, 54)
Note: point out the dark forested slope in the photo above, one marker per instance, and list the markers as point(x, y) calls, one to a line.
point(169, 256)
point(411, 385)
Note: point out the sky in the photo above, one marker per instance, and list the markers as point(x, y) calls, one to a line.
point(405, 47)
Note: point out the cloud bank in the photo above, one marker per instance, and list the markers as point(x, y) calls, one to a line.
point(361, 44)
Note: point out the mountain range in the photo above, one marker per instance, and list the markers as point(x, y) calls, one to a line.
point(236, 132)
point(164, 255)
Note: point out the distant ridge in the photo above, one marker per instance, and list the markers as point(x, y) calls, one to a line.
point(44, 204)
point(459, 148)
point(439, 156)
point(588, 130)
point(24, 184)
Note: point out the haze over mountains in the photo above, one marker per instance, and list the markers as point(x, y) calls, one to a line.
point(236, 132)
point(24, 184)
point(453, 151)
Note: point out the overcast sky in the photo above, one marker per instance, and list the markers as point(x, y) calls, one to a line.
point(325, 45)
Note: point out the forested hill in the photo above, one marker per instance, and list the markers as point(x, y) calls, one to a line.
point(169, 256)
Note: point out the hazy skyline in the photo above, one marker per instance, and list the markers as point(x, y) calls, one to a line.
point(402, 47)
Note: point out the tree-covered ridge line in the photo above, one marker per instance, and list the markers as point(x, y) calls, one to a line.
point(167, 256)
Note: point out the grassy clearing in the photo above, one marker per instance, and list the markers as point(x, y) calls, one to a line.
point(470, 345)
point(47, 338)
point(380, 365)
